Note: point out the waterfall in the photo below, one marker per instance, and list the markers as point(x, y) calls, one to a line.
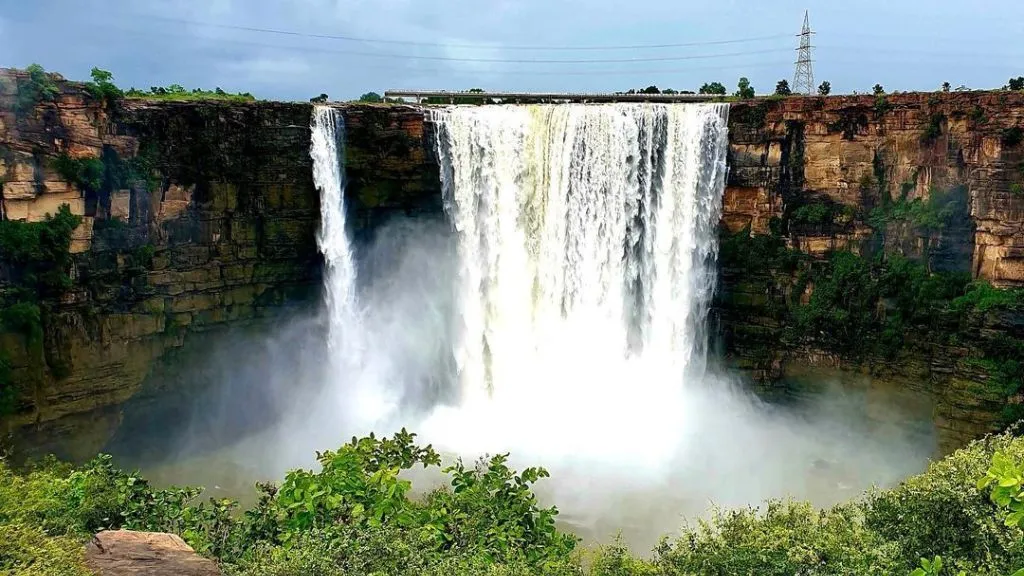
point(587, 244)
point(327, 149)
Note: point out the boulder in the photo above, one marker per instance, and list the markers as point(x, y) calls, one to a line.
point(127, 553)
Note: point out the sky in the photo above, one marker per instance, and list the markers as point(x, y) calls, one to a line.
point(461, 44)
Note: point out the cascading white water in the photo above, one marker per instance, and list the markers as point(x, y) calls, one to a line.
point(351, 394)
point(587, 240)
point(327, 151)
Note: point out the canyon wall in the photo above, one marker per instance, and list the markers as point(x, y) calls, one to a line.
point(196, 218)
point(935, 178)
point(200, 217)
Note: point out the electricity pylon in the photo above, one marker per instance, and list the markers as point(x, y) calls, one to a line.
point(803, 79)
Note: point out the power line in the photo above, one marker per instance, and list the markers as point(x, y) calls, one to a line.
point(447, 45)
point(477, 60)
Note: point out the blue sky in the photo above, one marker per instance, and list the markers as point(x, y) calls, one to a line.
point(902, 44)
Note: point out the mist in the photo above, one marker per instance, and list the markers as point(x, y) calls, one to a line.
point(623, 456)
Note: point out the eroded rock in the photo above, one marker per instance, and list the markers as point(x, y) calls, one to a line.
point(128, 553)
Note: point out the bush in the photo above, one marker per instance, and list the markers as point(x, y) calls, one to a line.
point(943, 512)
point(86, 173)
point(825, 88)
point(783, 539)
point(1012, 137)
point(40, 87)
point(39, 253)
point(27, 551)
point(102, 86)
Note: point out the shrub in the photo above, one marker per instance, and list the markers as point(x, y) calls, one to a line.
point(102, 86)
point(825, 88)
point(86, 173)
point(39, 251)
point(39, 87)
point(943, 512)
point(783, 539)
point(878, 90)
point(27, 551)
point(934, 128)
point(1012, 137)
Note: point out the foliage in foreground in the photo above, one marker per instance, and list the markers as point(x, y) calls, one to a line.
point(354, 516)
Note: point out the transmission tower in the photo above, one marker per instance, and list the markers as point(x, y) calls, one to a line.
point(803, 79)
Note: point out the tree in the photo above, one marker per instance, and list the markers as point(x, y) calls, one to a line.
point(716, 88)
point(782, 88)
point(319, 99)
point(669, 91)
point(746, 91)
point(825, 88)
point(651, 90)
point(102, 85)
point(371, 97)
point(878, 90)
point(945, 87)
point(1016, 83)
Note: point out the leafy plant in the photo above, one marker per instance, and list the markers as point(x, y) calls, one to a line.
point(934, 128)
point(39, 87)
point(745, 90)
point(825, 88)
point(782, 88)
point(86, 173)
point(102, 86)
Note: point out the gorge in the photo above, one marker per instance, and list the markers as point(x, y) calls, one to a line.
point(206, 219)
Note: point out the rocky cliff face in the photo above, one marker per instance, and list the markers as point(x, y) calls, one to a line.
point(201, 216)
point(937, 178)
point(195, 217)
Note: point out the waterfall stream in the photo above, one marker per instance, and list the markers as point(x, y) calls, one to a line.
point(587, 241)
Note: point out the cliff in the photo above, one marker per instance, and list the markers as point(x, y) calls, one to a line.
point(194, 217)
point(197, 217)
point(937, 179)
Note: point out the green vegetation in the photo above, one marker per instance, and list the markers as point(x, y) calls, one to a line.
point(716, 88)
point(39, 87)
point(782, 88)
point(1017, 189)
point(878, 90)
point(934, 128)
point(355, 516)
point(825, 88)
point(37, 254)
point(1013, 136)
point(319, 99)
point(86, 173)
point(180, 93)
point(102, 86)
point(1016, 83)
point(744, 89)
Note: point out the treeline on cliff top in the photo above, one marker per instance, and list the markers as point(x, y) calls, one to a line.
point(355, 516)
point(42, 86)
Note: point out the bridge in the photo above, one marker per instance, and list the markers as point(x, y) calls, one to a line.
point(543, 97)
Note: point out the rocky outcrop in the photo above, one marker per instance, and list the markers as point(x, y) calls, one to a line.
point(127, 553)
point(822, 174)
point(857, 150)
point(196, 217)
